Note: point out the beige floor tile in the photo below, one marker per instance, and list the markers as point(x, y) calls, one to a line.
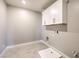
point(25, 51)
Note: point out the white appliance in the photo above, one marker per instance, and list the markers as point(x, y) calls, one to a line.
point(49, 53)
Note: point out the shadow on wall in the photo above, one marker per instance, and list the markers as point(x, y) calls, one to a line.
point(57, 27)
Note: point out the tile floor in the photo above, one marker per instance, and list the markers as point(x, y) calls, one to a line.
point(25, 51)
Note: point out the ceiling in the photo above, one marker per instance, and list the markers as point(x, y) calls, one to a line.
point(35, 5)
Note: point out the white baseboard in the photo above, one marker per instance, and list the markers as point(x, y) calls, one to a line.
point(54, 49)
point(12, 46)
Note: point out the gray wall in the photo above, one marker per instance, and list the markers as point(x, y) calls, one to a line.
point(23, 25)
point(68, 41)
point(3, 12)
point(73, 16)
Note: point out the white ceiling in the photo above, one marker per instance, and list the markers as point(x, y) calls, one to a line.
point(36, 5)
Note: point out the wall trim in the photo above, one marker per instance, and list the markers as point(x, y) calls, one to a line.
point(12, 46)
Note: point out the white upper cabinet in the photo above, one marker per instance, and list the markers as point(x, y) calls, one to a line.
point(55, 14)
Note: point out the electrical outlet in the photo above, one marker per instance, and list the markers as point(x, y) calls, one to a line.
point(47, 38)
point(57, 31)
point(75, 53)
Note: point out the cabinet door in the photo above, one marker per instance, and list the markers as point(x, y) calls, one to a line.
point(58, 9)
point(59, 12)
point(56, 12)
point(44, 18)
point(53, 14)
point(50, 16)
point(61, 8)
point(47, 17)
